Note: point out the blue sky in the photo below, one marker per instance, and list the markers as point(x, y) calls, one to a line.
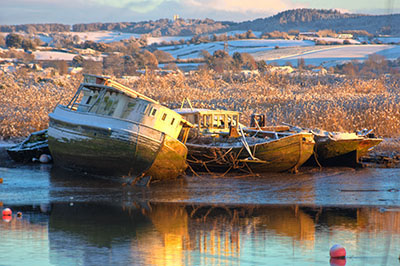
point(84, 11)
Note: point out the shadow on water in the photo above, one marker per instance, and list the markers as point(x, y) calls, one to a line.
point(147, 233)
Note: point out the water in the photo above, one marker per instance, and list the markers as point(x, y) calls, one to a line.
point(274, 219)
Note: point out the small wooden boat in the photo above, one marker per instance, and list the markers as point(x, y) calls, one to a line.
point(31, 148)
point(218, 143)
point(112, 130)
point(331, 148)
point(340, 148)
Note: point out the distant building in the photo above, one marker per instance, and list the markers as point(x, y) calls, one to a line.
point(345, 36)
point(176, 17)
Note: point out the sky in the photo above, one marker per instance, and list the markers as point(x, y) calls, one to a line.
point(86, 11)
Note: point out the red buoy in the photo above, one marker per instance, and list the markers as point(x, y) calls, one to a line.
point(7, 212)
point(337, 262)
point(337, 252)
point(7, 218)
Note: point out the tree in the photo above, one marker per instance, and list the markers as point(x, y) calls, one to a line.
point(93, 67)
point(150, 60)
point(2, 41)
point(248, 61)
point(350, 69)
point(77, 61)
point(28, 44)
point(222, 61)
point(261, 65)
point(163, 57)
point(250, 35)
point(130, 65)
point(301, 64)
point(237, 60)
point(14, 40)
point(113, 65)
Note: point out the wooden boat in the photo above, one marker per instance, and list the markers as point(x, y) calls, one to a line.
point(331, 148)
point(112, 130)
point(31, 148)
point(217, 143)
point(340, 148)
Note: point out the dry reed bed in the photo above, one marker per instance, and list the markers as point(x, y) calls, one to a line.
point(331, 103)
point(26, 101)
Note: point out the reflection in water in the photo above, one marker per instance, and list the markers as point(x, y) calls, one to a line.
point(177, 234)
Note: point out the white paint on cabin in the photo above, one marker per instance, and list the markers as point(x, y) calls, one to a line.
point(117, 105)
point(105, 123)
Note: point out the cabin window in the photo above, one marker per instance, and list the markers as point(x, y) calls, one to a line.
point(207, 120)
point(216, 122)
point(164, 116)
point(108, 104)
point(144, 108)
point(153, 113)
point(88, 100)
point(219, 121)
point(173, 120)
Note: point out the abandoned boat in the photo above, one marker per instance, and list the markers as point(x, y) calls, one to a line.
point(31, 148)
point(218, 143)
point(331, 148)
point(341, 148)
point(112, 130)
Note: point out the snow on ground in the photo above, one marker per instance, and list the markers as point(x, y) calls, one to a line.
point(337, 40)
point(55, 55)
point(151, 40)
point(102, 36)
point(113, 36)
point(388, 39)
point(391, 53)
point(243, 46)
point(331, 55)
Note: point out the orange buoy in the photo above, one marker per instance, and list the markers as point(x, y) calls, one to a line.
point(19, 214)
point(7, 212)
point(337, 252)
point(1, 180)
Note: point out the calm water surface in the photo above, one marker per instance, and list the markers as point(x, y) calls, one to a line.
point(274, 219)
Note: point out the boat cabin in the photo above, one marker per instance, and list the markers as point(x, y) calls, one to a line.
point(210, 121)
point(104, 97)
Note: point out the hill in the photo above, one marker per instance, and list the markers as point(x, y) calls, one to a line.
point(319, 19)
point(296, 19)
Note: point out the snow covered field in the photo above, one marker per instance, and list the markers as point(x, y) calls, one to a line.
point(242, 46)
point(272, 50)
point(55, 55)
point(328, 55)
point(112, 36)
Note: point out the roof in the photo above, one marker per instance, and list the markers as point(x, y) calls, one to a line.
point(184, 111)
point(108, 83)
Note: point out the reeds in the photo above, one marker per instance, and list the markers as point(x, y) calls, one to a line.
point(332, 103)
point(26, 99)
